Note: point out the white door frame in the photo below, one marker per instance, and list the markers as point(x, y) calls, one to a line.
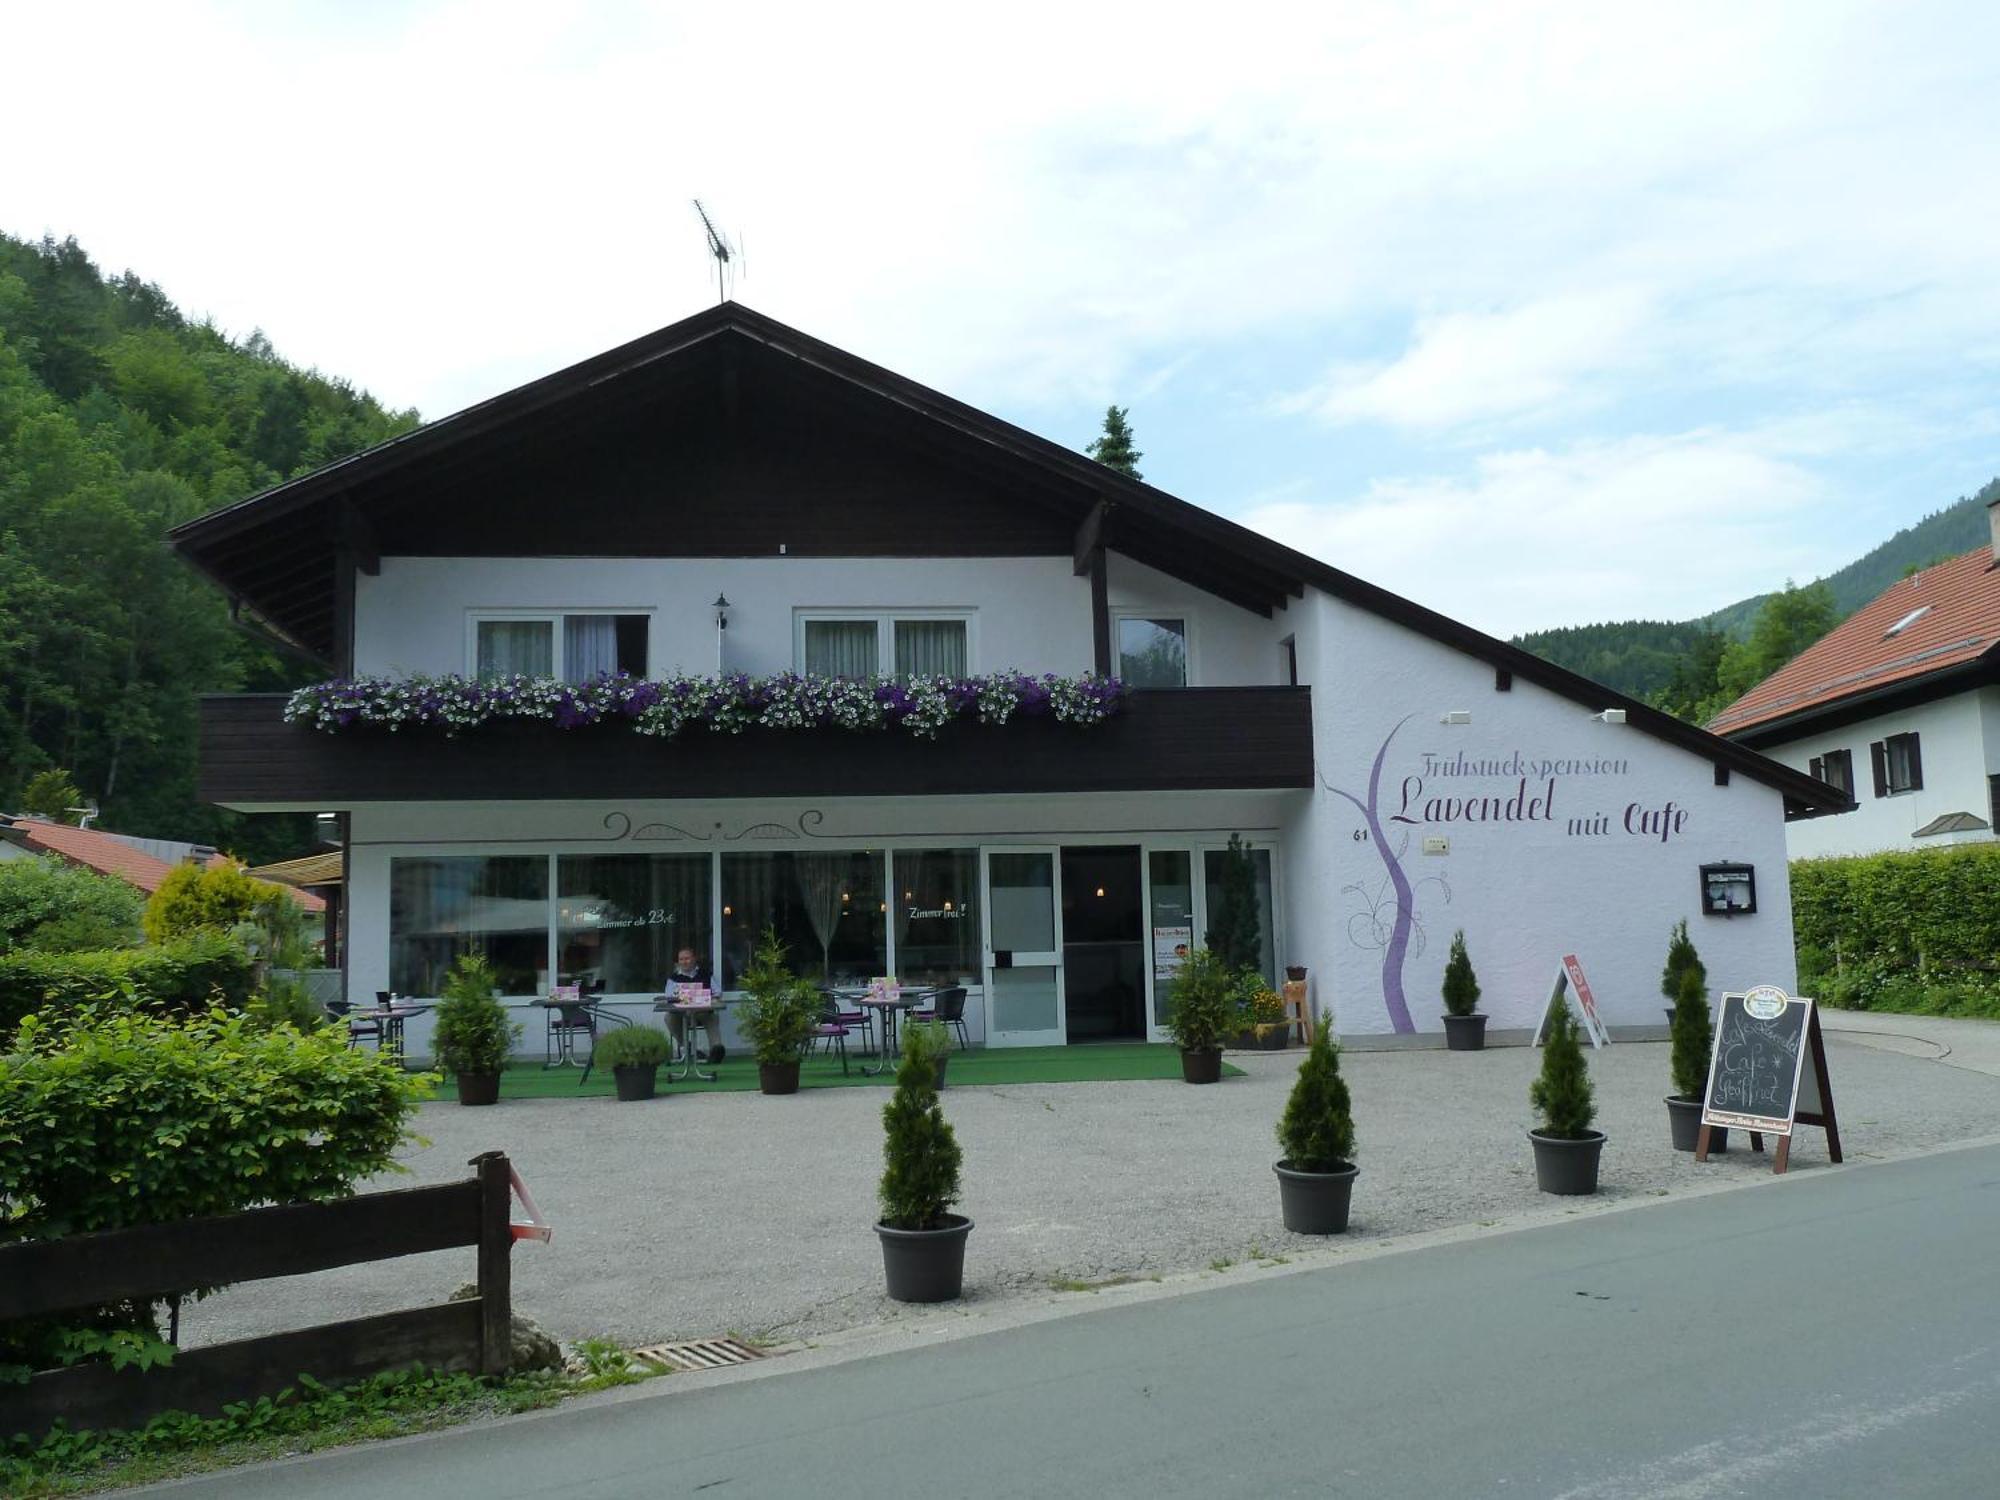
point(1052, 960)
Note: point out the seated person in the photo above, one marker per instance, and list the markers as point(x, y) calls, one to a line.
point(688, 970)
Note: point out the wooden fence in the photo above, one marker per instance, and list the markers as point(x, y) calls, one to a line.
point(40, 1277)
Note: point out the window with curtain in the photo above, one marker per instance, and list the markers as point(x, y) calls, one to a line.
point(494, 906)
point(509, 648)
point(930, 648)
point(586, 646)
point(621, 918)
point(828, 908)
point(1152, 653)
point(842, 648)
point(934, 902)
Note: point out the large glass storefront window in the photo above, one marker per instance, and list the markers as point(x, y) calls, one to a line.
point(828, 909)
point(1170, 873)
point(621, 918)
point(935, 905)
point(495, 906)
point(1260, 862)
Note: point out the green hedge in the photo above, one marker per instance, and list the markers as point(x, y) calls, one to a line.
point(1917, 931)
point(182, 977)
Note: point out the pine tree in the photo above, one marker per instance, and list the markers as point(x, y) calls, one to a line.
point(1563, 1093)
point(919, 1152)
point(1316, 1131)
point(1235, 933)
point(1114, 449)
point(1461, 985)
point(1681, 957)
point(1693, 1034)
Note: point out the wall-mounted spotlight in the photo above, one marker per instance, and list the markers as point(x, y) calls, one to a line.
point(1457, 716)
point(1610, 716)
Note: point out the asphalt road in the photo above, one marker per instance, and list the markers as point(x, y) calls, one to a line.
point(1822, 1336)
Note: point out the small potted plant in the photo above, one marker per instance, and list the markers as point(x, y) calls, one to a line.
point(779, 1016)
point(1566, 1148)
point(472, 1035)
point(1206, 1008)
point(936, 1041)
point(1316, 1132)
point(1464, 1026)
point(1693, 1038)
point(634, 1055)
point(923, 1243)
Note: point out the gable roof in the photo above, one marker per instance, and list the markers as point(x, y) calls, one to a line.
point(1933, 633)
point(274, 552)
point(109, 854)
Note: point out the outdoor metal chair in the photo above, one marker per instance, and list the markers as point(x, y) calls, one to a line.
point(947, 1006)
point(568, 1021)
point(856, 1020)
point(831, 1031)
point(359, 1028)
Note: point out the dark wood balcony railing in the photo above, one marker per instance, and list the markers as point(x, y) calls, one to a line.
point(1190, 739)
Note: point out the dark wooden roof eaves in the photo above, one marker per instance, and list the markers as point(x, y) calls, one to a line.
point(1891, 697)
point(1249, 555)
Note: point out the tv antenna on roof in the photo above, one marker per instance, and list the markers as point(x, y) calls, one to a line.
point(721, 249)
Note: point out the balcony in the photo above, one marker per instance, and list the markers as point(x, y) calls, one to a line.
point(1190, 739)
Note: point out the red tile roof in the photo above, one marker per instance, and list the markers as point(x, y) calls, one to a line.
point(1960, 621)
point(109, 855)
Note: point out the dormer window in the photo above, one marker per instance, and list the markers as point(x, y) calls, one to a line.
point(574, 647)
point(1907, 621)
point(860, 643)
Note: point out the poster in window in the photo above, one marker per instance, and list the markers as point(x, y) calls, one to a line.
point(1170, 950)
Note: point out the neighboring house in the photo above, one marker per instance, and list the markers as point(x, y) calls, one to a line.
point(139, 862)
point(1900, 705)
point(731, 494)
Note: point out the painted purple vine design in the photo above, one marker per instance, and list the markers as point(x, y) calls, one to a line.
point(1400, 930)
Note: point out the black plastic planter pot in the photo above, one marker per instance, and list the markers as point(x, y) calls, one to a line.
point(636, 1081)
point(1315, 1202)
point(778, 1078)
point(1684, 1116)
point(1202, 1067)
point(1567, 1167)
point(1465, 1033)
point(925, 1265)
point(477, 1088)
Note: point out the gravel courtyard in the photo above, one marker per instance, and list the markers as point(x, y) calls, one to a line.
point(705, 1214)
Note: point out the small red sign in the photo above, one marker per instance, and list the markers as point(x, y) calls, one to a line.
point(1580, 986)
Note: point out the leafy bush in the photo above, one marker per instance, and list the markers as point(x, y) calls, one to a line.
point(1916, 931)
point(54, 907)
point(1563, 1093)
point(472, 1032)
point(1461, 986)
point(1316, 1131)
point(780, 1014)
point(1693, 1034)
point(920, 1153)
point(184, 977)
point(1208, 1002)
point(633, 1047)
point(285, 1002)
point(194, 898)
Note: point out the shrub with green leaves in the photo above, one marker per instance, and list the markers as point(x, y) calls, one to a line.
point(779, 1014)
point(1916, 931)
point(1461, 986)
point(193, 898)
point(472, 1034)
point(183, 977)
point(1693, 1034)
point(285, 1002)
point(1681, 958)
point(54, 907)
point(1209, 1003)
point(633, 1047)
point(921, 1157)
point(1563, 1092)
point(1316, 1131)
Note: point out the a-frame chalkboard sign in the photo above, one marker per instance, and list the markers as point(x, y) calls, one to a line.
point(1570, 981)
point(1768, 1073)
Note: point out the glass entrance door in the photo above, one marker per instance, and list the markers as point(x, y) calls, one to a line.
point(1024, 973)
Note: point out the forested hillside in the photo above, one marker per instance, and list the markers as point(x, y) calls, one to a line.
point(1644, 657)
point(120, 417)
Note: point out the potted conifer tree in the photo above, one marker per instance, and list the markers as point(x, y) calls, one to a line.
point(1566, 1148)
point(1464, 1026)
point(1206, 1008)
point(1316, 1174)
point(923, 1243)
point(634, 1055)
point(472, 1035)
point(1681, 957)
point(779, 1016)
point(1693, 1039)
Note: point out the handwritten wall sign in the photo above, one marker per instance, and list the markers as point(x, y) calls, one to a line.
point(1768, 1072)
point(1570, 981)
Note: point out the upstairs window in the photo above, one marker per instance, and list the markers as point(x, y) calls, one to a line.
point(899, 645)
point(1898, 764)
point(1153, 651)
point(575, 648)
point(1836, 769)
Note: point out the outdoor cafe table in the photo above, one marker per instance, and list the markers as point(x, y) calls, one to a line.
point(690, 1011)
point(891, 1011)
point(390, 1018)
point(566, 1039)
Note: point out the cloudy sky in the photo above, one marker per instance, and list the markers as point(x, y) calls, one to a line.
point(1539, 314)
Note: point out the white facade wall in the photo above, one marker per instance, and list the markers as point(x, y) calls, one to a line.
point(1030, 613)
point(1959, 740)
point(1525, 891)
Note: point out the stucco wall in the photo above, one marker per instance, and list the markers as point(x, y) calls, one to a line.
point(1030, 612)
point(1565, 874)
point(1953, 739)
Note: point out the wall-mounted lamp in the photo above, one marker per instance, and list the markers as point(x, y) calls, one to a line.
point(1457, 716)
point(721, 608)
point(1610, 716)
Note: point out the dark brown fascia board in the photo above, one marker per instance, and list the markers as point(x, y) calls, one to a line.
point(1982, 671)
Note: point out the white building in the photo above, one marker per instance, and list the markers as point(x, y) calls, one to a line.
point(1398, 774)
point(1899, 705)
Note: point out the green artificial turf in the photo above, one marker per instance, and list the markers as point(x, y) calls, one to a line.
point(1102, 1062)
